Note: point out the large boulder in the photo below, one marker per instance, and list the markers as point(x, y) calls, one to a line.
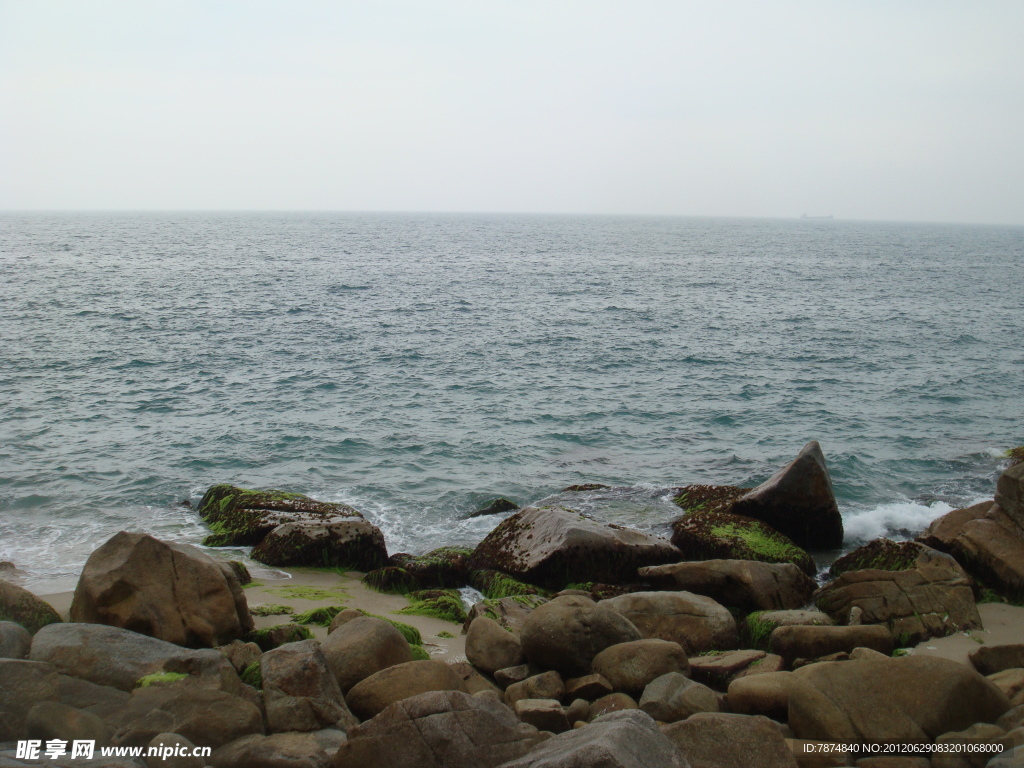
point(809, 642)
point(987, 542)
point(119, 658)
point(702, 534)
point(697, 623)
point(22, 607)
point(931, 598)
point(720, 740)
point(509, 612)
point(554, 546)
point(566, 633)
point(629, 667)
point(442, 729)
point(363, 646)
point(299, 690)
point(798, 501)
point(23, 684)
point(489, 647)
point(744, 584)
point(912, 699)
point(627, 739)
point(345, 542)
point(172, 592)
point(371, 696)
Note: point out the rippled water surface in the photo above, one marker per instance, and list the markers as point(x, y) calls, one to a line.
point(417, 365)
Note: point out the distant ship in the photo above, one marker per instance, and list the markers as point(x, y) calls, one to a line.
point(805, 216)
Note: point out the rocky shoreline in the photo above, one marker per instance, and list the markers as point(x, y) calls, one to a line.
point(594, 644)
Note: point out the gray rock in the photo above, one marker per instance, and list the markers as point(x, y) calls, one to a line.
point(363, 646)
point(629, 667)
point(101, 700)
point(673, 697)
point(568, 632)
point(719, 740)
point(118, 657)
point(23, 684)
point(509, 612)
point(620, 740)
point(489, 647)
point(15, 640)
point(438, 730)
point(280, 750)
point(299, 690)
point(697, 623)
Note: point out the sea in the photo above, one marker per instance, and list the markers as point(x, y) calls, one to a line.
point(417, 366)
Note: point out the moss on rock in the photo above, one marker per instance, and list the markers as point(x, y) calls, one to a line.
point(1016, 455)
point(159, 678)
point(710, 535)
point(495, 585)
point(253, 675)
point(391, 579)
point(708, 498)
point(319, 616)
point(443, 604)
point(270, 638)
point(419, 653)
point(880, 555)
point(22, 607)
point(270, 610)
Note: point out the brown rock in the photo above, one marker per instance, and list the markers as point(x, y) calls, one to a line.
point(717, 670)
point(757, 627)
point(314, 749)
point(339, 541)
point(629, 667)
point(548, 685)
point(745, 584)
point(371, 696)
point(673, 697)
point(697, 623)
point(172, 742)
point(613, 702)
point(206, 717)
point(980, 735)
point(805, 642)
point(509, 612)
point(718, 740)
point(362, 647)
point(300, 691)
point(15, 640)
point(22, 607)
point(473, 682)
point(588, 687)
point(568, 632)
point(49, 720)
point(172, 592)
point(1009, 681)
point(241, 655)
point(489, 647)
point(766, 695)
point(989, 659)
point(554, 545)
point(512, 675)
point(911, 699)
point(933, 599)
point(344, 617)
point(543, 714)
point(438, 730)
point(578, 711)
point(1010, 493)
point(798, 501)
point(23, 684)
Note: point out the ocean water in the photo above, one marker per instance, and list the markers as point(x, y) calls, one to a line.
point(416, 366)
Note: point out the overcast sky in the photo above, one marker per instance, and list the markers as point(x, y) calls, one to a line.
point(909, 110)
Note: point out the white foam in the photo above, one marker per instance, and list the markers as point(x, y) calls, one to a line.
point(894, 520)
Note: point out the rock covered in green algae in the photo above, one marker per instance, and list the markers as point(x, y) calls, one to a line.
point(879, 554)
point(341, 542)
point(22, 607)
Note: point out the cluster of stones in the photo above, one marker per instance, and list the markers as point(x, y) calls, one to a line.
point(712, 661)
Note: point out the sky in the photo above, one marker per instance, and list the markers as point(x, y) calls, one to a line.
point(861, 109)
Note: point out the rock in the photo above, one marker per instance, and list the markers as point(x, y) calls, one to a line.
point(241, 655)
point(1010, 493)
point(578, 712)
point(269, 638)
point(15, 640)
point(496, 507)
point(552, 546)
point(805, 642)
point(101, 700)
point(509, 612)
point(911, 699)
point(51, 720)
point(613, 702)
point(566, 633)
point(703, 534)
point(798, 502)
point(490, 648)
point(629, 667)
point(766, 695)
point(363, 647)
point(346, 542)
point(280, 750)
point(620, 740)
point(758, 627)
point(588, 687)
point(744, 584)
point(547, 685)
point(543, 714)
point(23, 684)
point(173, 751)
point(1011, 758)
point(119, 658)
point(344, 617)
point(982, 736)
point(300, 691)
point(22, 607)
point(879, 555)
point(719, 740)
point(989, 659)
point(1012, 718)
point(1009, 681)
point(473, 682)
point(932, 599)
point(372, 695)
point(674, 696)
point(987, 542)
point(438, 730)
point(717, 670)
point(443, 568)
point(172, 592)
point(205, 717)
point(697, 623)
point(512, 675)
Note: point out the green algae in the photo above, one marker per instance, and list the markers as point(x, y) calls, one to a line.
point(445, 634)
point(879, 554)
point(321, 617)
point(495, 585)
point(270, 610)
point(159, 678)
point(269, 638)
point(1016, 455)
point(308, 593)
point(419, 653)
point(442, 604)
point(392, 580)
point(253, 675)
